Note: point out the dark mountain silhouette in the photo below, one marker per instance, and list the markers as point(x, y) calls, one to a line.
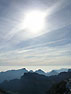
point(3, 91)
point(34, 83)
point(59, 88)
point(12, 74)
point(30, 83)
point(63, 87)
point(16, 74)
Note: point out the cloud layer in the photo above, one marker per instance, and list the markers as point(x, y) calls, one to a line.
point(20, 47)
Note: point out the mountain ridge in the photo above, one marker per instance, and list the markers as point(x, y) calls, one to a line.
point(13, 74)
point(34, 83)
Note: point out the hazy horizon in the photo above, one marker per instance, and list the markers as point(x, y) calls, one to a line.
point(34, 68)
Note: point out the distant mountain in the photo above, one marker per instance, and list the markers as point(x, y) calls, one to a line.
point(40, 72)
point(56, 72)
point(12, 74)
point(62, 70)
point(69, 70)
point(34, 83)
point(53, 72)
point(31, 71)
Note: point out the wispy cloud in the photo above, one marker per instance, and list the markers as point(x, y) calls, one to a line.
point(20, 47)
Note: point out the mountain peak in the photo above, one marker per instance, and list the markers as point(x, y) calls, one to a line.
point(39, 71)
point(53, 72)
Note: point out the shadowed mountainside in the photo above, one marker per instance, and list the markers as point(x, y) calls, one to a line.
point(16, 74)
point(12, 74)
point(33, 83)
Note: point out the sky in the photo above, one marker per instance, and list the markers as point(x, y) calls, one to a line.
point(23, 47)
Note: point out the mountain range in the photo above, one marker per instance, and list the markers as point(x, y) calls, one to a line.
point(34, 83)
point(13, 74)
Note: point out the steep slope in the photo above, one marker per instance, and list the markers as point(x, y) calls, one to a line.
point(40, 72)
point(53, 72)
point(33, 83)
point(63, 87)
point(12, 74)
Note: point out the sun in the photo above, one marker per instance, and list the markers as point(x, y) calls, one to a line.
point(34, 21)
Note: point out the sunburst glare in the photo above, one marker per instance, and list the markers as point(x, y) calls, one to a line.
point(34, 21)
